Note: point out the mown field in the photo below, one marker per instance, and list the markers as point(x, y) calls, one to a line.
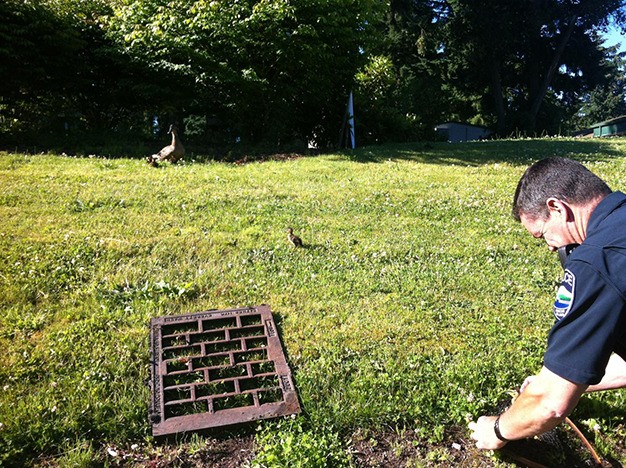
point(416, 301)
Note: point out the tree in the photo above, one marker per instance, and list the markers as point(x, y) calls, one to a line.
point(269, 70)
point(37, 62)
point(400, 92)
point(606, 101)
point(521, 53)
point(62, 76)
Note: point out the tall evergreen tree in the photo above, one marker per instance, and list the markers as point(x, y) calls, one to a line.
point(605, 101)
point(522, 54)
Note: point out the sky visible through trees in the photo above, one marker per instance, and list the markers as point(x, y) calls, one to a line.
point(614, 37)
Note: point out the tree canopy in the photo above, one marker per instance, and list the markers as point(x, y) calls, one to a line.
point(526, 54)
point(277, 73)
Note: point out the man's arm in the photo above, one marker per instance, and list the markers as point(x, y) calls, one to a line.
point(545, 403)
point(614, 375)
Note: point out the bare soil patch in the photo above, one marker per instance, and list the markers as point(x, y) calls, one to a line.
point(559, 448)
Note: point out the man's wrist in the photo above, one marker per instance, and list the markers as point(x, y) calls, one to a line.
point(496, 429)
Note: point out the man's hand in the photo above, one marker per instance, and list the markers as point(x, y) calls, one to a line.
point(484, 435)
point(544, 402)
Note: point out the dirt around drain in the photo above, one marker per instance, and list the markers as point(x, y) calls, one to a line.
point(389, 449)
point(232, 452)
point(559, 448)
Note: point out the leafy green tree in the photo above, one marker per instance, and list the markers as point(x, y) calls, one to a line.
point(64, 77)
point(400, 92)
point(37, 64)
point(264, 71)
point(278, 72)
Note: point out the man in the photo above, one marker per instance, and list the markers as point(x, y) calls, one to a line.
point(562, 202)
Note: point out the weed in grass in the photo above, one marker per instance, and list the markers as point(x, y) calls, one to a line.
point(24, 320)
point(289, 443)
point(74, 454)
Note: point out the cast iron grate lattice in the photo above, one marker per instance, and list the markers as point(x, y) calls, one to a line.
point(218, 368)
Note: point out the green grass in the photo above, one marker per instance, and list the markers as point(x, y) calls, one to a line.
point(416, 301)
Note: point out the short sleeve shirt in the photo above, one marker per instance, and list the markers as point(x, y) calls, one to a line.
point(590, 306)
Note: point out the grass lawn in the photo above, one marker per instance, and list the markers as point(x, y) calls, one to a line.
point(416, 301)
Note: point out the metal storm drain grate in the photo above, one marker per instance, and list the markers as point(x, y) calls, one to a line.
point(218, 368)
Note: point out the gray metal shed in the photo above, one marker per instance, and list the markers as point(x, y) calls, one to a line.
point(456, 132)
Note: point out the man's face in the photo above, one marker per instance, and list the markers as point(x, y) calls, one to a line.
point(554, 229)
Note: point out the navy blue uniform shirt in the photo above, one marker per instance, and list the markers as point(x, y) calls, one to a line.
point(590, 306)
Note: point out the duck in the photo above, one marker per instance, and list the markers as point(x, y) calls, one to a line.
point(172, 152)
point(295, 240)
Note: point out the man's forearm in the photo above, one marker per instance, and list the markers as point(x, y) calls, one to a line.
point(528, 416)
point(545, 402)
point(547, 399)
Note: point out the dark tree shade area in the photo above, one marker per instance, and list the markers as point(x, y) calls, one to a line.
point(276, 74)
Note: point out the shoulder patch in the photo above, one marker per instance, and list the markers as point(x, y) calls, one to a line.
point(565, 295)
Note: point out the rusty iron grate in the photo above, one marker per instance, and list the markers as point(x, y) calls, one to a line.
point(218, 368)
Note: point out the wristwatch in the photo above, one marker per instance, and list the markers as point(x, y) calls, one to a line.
point(496, 429)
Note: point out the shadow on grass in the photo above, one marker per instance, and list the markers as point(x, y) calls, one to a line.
point(596, 408)
point(522, 152)
point(117, 146)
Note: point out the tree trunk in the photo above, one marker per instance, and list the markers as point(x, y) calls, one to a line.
point(547, 79)
point(498, 98)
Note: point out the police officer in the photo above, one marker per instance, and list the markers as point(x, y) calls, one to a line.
point(562, 202)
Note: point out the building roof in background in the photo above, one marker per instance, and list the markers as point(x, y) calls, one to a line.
point(610, 121)
point(612, 127)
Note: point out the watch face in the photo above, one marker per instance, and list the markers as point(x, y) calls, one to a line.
point(565, 251)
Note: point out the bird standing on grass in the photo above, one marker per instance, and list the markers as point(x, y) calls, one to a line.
point(295, 240)
point(172, 152)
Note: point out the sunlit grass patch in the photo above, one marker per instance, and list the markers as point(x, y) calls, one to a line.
point(415, 300)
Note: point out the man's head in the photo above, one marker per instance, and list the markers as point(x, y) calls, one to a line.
point(554, 199)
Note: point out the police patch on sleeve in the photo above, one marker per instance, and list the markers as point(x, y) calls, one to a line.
point(565, 295)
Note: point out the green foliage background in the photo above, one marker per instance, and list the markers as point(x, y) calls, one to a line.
point(275, 75)
point(416, 300)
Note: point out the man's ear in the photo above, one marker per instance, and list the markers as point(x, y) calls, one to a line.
point(559, 208)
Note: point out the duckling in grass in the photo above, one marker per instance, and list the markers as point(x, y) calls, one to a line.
point(295, 240)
